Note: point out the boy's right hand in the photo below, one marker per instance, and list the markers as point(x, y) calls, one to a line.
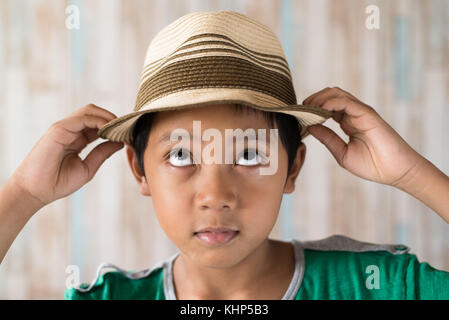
point(53, 168)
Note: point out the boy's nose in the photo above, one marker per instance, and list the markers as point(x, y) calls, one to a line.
point(215, 189)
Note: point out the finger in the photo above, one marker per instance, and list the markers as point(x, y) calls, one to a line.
point(309, 98)
point(321, 96)
point(79, 123)
point(94, 110)
point(331, 140)
point(99, 154)
point(320, 99)
point(338, 116)
point(345, 93)
point(70, 129)
point(347, 105)
point(87, 136)
point(91, 135)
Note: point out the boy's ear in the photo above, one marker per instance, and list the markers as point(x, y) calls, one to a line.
point(289, 186)
point(137, 172)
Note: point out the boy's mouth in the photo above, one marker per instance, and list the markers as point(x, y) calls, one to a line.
point(215, 236)
point(216, 229)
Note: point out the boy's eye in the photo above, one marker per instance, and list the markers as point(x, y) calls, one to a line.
point(180, 157)
point(251, 157)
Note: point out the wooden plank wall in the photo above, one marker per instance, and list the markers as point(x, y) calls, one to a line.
point(48, 71)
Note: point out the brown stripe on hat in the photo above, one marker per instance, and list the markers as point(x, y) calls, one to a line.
point(217, 51)
point(223, 37)
point(258, 56)
point(205, 63)
point(215, 72)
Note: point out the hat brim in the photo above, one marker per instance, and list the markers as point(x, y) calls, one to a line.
point(120, 129)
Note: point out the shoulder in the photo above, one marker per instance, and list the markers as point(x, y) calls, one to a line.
point(345, 243)
point(346, 251)
point(121, 284)
point(340, 267)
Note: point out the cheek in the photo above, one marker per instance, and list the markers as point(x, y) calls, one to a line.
point(171, 200)
point(261, 199)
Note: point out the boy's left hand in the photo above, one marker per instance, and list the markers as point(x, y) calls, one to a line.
point(375, 151)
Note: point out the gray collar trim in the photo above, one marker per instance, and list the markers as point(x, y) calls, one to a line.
point(169, 288)
point(344, 243)
point(129, 274)
point(290, 294)
point(298, 275)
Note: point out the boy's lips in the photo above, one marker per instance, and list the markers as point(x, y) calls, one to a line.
point(215, 236)
point(216, 229)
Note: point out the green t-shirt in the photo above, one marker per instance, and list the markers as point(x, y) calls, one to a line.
point(336, 268)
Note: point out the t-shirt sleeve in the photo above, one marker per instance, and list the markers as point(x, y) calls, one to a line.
point(424, 282)
point(100, 291)
point(370, 275)
point(114, 285)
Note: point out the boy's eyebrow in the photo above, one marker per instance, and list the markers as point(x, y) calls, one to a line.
point(166, 136)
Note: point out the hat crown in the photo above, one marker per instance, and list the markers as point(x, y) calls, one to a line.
point(224, 50)
point(231, 24)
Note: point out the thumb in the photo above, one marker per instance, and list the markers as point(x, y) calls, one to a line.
point(330, 139)
point(99, 154)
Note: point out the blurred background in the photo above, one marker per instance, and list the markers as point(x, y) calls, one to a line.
point(48, 70)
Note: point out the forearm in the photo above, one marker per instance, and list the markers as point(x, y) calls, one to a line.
point(16, 208)
point(429, 185)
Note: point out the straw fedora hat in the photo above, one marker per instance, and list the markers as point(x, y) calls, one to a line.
point(214, 58)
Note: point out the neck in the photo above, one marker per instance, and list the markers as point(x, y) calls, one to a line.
point(241, 281)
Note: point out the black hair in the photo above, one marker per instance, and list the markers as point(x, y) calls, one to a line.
point(288, 126)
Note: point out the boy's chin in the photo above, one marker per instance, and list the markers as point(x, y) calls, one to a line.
point(218, 258)
point(219, 261)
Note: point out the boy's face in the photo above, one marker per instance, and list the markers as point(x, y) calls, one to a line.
point(190, 197)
